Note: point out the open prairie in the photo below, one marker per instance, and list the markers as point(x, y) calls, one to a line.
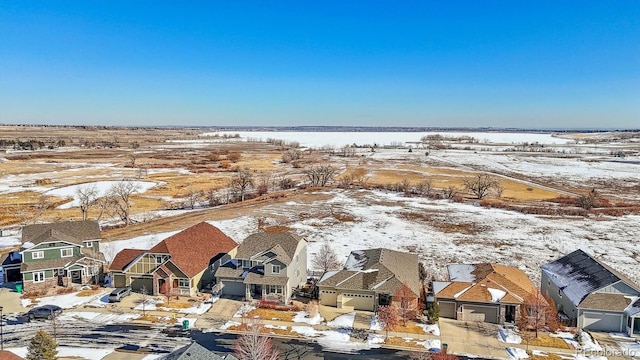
point(410, 191)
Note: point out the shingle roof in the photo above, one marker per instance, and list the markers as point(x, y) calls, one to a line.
point(605, 301)
point(280, 243)
point(193, 248)
point(48, 264)
point(74, 231)
point(124, 258)
point(8, 355)
point(488, 280)
point(195, 351)
point(379, 269)
point(578, 274)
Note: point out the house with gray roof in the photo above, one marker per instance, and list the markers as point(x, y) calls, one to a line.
point(370, 278)
point(195, 351)
point(266, 265)
point(62, 254)
point(591, 294)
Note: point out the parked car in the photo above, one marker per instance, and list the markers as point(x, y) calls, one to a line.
point(43, 312)
point(119, 293)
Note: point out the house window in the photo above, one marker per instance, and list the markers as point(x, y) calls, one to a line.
point(60, 272)
point(275, 269)
point(183, 283)
point(37, 255)
point(274, 289)
point(38, 276)
point(246, 264)
point(66, 252)
point(158, 259)
point(89, 244)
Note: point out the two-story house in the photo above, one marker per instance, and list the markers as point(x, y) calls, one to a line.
point(266, 265)
point(61, 254)
point(181, 264)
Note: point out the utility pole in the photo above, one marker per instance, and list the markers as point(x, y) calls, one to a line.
point(1, 329)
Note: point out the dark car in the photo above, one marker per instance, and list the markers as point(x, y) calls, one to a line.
point(119, 293)
point(44, 312)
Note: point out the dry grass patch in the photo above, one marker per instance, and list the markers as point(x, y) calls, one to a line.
point(176, 304)
point(396, 341)
point(547, 341)
point(271, 314)
point(411, 328)
point(153, 318)
point(550, 356)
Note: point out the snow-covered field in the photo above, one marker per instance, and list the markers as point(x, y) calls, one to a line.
point(338, 139)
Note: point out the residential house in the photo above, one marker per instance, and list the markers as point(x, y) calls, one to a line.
point(181, 264)
point(61, 254)
point(10, 264)
point(370, 278)
point(484, 292)
point(591, 294)
point(267, 265)
point(195, 351)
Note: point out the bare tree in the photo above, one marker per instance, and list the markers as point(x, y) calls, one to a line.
point(450, 192)
point(480, 185)
point(388, 318)
point(87, 196)
point(291, 155)
point(320, 175)
point(255, 345)
point(212, 197)
point(285, 182)
point(347, 151)
point(241, 182)
point(588, 201)
point(41, 207)
point(144, 296)
point(424, 188)
point(498, 189)
point(192, 197)
point(535, 312)
point(132, 158)
point(405, 186)
point(406, 304)
point(326, 259)
point(120, 195)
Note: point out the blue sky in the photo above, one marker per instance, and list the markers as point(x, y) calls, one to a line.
point(527, 64)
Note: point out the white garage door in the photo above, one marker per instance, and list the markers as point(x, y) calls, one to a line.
point(601, 321)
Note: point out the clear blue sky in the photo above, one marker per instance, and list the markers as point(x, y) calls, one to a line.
point(470, 63)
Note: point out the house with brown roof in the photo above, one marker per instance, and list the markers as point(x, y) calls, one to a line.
point(8, 355)
point(370, 278)
point(181, 264)
point(483, 292)
point(62, 254)
point(266, 265)
point(591, 294)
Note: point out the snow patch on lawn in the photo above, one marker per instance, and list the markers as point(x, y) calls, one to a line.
point(343, 321)
point(375, 324)
point(509, 336)
point(97, 317)
point(229, 324)
point(517, 353)
point(243, 310)
point(303, 317)
point(430, 344)
point(65, 301)
point(432, 329)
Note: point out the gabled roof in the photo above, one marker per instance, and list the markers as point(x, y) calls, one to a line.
point(8, 355)
point(195, 351)
point(578, 274)
point(283, 244)
point(124, 258)
point(381, 270)
point(604, 301)
point(193, 248)
point(73, 231)
point(486, 283)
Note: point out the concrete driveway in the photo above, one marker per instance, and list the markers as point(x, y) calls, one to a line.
point(224, 308)
point(10, 301)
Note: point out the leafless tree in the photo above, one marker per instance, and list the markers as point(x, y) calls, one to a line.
point(536, 312)
point(406, 304)
point(144, 296)
point(291, 155)
point(498, 189)
point(103, 205)
point(255, 344)
point(588, 201)
point(192, 197)
point(41, 207)
point(285, 182)
point(87, 195)
point(241, 182)
point(388, 318)
point(326, 259)
point(405, 186)
point(424, 188)
point(212, 197)
point(132, 158)
point(450, 192)
point(320, 175)
point(348, 151)
point(480, 185)
point(120, 195)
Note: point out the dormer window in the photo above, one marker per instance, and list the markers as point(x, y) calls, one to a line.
point(88, 244)
point(275, 269)
point(159, 259)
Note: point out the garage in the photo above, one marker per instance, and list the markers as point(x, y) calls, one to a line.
point(480, 313)
point(358, 301)
point(447, 309)
point(137, 284)
point(328, 297)
point(119, 280)
point(601, 321)
point(233, 288)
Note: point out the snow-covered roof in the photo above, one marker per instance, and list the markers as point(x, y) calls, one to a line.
point(578, 274)
point(496, 294)
point(356, 260)
point(634, 307)
point(461, 272)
